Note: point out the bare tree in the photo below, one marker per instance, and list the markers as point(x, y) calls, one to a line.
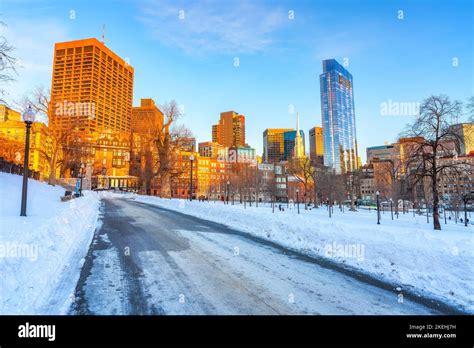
point(470, 109)
point(390, 179)
point(433, 137)
point(303, 170)
point(7, 63)
point(58, 137)
point(169, 139)
point(331, 187)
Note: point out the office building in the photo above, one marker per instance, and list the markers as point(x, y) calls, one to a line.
point(338, 118)
point(274, 144)
point(92, 88)
point(316, 145)
point(230, 131)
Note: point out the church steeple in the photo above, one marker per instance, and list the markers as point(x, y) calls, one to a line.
point(299, 146)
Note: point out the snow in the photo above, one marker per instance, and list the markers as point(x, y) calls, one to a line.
point(41, 255)
point(405, 252)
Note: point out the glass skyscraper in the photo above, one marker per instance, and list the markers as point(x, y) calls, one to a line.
point(338, 118)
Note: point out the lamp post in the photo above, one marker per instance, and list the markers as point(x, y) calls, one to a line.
point(82, 175)
point(465, 200)
point(28, 118)
point(329, 206)
point(444, 213)
point(391, 207)
point(378, 207)
point(298, 199)
point(191, 159)
point(227, 198)
point(104, 173)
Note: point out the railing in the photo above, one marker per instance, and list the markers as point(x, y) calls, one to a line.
point(13, 168)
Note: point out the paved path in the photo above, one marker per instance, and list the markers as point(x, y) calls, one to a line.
point(149, 260)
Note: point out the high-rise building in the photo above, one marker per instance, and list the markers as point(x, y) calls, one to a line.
point(465, 132)
point(230, 131)
point(274, 144)
point(92, 87)
point(216, 134)
point(316, 145)
point(338, 117)
point(92, 92)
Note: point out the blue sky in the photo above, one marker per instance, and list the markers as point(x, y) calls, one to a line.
point(192, 60)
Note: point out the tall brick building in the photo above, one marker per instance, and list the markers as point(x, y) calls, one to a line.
point(92, 87)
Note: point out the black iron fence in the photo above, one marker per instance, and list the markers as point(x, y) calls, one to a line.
point(13, 168)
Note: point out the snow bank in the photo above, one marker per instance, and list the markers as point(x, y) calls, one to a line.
point(41, 255)
point(405, 252)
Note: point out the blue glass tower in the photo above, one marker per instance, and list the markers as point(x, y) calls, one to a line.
point(338, 118)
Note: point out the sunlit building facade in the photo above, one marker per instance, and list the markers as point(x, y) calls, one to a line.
point(274, 144)
point(12, 142)
point(316, 145)
point(230, 131)
point(338, 118)
point(92, 92)
point(92, 87)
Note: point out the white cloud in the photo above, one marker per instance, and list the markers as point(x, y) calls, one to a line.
point(214, 26)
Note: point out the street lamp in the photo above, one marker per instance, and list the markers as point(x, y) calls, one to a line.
point(391, 209)
point(444, 213)
point(28, 118)
point(465, 201)
point(191, 159)
point(227, 198)
point(329, 206)
point(82, 175)
point(298, 199)
point(378, 207)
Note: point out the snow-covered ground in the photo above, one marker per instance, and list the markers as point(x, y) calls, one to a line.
point(41, 255)
point(405, 252)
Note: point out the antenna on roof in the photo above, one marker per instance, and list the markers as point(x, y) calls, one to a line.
point(103, 33)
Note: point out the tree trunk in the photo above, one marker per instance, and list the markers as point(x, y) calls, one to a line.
point(165, 185)
point(52, 174)
point(434, 183)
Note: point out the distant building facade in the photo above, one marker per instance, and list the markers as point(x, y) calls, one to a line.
point(381, 152)
point(230, 131)
point(274, 144)
point(316, 145)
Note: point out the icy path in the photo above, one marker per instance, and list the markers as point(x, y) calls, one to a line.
point(148, 260)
